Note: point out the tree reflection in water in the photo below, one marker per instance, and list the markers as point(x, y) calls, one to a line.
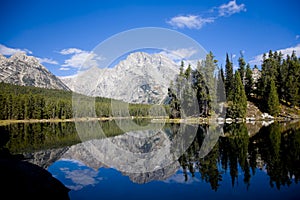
point(275, 149)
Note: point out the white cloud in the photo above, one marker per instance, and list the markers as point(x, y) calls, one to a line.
point(4, 50)
point(197, 22)
point(257, 60)
point(80, 59)
point(230, 8)
point(70, 51)
point(64, 68)
point(185, 53)
point(179, 54)
point(48, 60)
point(81, 178)
point(189, 21)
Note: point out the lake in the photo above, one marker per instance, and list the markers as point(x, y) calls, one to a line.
point(144, 160)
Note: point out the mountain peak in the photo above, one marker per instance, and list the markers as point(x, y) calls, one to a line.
point(143, 56)
point(21, 69)
point(21, 56)
point(140, 78)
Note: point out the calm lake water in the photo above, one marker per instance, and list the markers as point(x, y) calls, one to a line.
point(150, 161)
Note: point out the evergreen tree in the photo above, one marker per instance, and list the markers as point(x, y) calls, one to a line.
point(268, 72)
point(293, 80)
point(210, 66)
point(286, 75)
point(229, 79)
point(29, 106)
point(248, 81)
point(181, 68)
point(282, 79)
point(188, 101)
point(9, 110)
point(241, 69)
point(202, 91)
point(2, 106)
point(187, 72)
point(221, 95)
point(273, 101)
point(238, 106)
point(222, 75)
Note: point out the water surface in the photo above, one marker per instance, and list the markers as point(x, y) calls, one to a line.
point(239, 161)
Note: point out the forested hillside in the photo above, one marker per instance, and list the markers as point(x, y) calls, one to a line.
point(26, 102)
point(208, 87)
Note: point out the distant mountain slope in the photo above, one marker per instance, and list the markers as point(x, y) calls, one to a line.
point(140, 78)
point(20, 69)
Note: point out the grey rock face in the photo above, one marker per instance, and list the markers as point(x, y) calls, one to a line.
point(143, 156)
point(20, 69)
point(140, 78)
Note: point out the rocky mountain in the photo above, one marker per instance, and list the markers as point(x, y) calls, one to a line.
point(143, 156)
point(140, 78)
point(20, 69)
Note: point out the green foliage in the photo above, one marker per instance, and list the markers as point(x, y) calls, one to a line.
point(24, 102)
point(292, 93)
point(238, 106)
point(229, 79)
point(236, 154)
point(193, 93)
point(221, 95)
point(286, 76)
point(242, 70)
point(248, 81)
point(202, 91)
point(273, 101)
point(210, 66)
point(187, 72)
point(278, 147)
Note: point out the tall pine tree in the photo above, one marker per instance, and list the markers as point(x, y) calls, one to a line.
point(248, 81)
point(273, 101)
point(229, 79)
point(242, 64)
point(293, 80)
point(210, 66)
point(238, 106)
point(221, 95)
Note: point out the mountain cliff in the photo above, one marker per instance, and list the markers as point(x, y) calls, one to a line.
point(20, 69)
point(140, 78)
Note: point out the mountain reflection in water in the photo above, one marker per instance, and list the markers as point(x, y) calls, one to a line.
point(235, 163)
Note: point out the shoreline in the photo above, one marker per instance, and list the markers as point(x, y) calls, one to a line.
point(13, 121)
point(194, 120)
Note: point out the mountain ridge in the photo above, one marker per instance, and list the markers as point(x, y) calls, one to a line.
point(140, 78)
point(24, 70)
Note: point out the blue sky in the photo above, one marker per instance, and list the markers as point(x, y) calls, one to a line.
point(63, 33)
